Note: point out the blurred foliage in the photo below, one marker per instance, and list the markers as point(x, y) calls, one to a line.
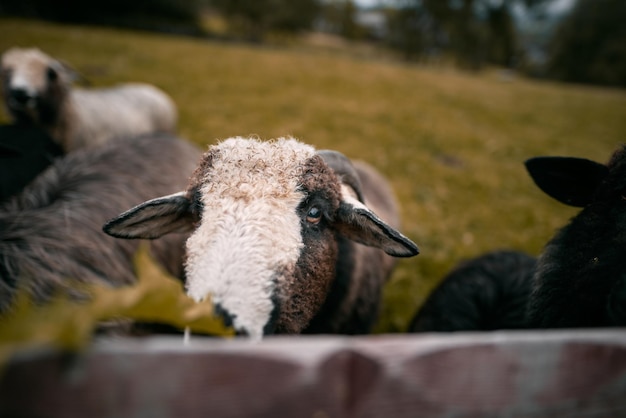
point(474, 32)
point(180, 16)
point(590, 44)
point(469, 34)
point(255, 19)
point(340, 17)
point(69, 324)
point(451, 143)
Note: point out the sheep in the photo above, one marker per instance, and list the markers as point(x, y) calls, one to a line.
point(24, 153)
point(485, 293)
point(580, 279)
point(37, 90)
point(284, 239)
point(51, 233)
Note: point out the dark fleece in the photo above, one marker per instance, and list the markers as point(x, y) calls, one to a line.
point(581, 276)
point(314, 272)
point(485, 293)
point(353, 300)
point(24, 153)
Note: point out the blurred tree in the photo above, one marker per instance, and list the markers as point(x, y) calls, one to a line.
point(590, 44)
point(415, 32)
point(253, 19)
point(340, 17)
point(175, 15)
point(467, 33)
point(474, 32)
point(501, 42)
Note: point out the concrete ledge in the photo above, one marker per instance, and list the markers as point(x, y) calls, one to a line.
point(553, 374)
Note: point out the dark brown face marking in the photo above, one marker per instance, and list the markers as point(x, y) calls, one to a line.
point(318, 177)
point(196, 180)
point(301, 298)
point(195, 183)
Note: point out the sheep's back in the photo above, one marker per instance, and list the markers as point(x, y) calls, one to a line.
point(97, 115)
point(51, 234)
point(485, 293)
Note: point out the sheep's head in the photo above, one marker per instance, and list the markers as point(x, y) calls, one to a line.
point(264, 216)
point(579, 279)
point(33, 84)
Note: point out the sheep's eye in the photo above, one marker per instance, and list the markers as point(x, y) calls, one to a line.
point(52, 74)
point(314, 215)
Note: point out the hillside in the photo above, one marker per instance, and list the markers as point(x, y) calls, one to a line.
point(453, 144)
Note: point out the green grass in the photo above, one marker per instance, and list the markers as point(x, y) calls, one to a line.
point(452, 144)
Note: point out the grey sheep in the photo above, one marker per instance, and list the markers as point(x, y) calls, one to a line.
point(284, 239)
point(38, 90)
point(51, 233)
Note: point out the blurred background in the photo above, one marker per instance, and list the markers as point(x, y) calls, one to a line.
point(446, 98)
point(569, 40)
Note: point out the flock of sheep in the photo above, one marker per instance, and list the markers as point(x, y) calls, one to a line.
point(284, 238)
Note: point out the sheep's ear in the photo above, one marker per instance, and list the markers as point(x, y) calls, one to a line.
point(153, 219)
point(67, 72)
point(357, 222)
point(572, 181)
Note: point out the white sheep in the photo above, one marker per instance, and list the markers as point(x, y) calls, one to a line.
point(277, 236)
point(38, 91)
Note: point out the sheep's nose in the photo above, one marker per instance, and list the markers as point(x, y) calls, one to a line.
point(229, 318)
point(226, 316)
point(20, 97)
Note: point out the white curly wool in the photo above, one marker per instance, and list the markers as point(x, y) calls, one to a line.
point(249, 235)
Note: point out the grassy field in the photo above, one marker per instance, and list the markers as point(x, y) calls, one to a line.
point(452, 144)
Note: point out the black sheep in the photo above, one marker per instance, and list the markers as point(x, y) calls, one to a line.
point(485, 293)
point(24, 153)
point(580, 279)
